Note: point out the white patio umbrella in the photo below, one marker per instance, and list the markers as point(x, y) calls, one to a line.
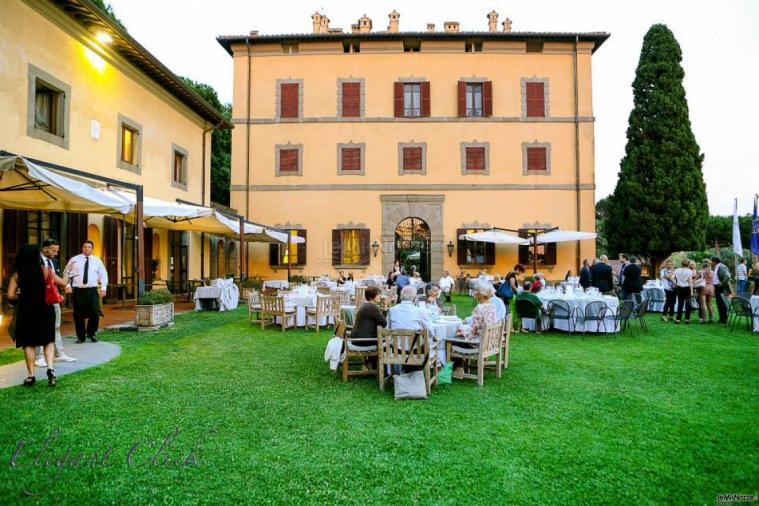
point(565, 236)
point(28, 186)
point(495, 236)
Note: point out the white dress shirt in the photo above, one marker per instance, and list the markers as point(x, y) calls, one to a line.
point(446, 283)
point(500, 308)
point(97, 273)
point(407, 316)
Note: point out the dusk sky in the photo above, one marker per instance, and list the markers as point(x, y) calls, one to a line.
point(719, 39)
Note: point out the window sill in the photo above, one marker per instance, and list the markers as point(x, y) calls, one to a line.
point(350, 266)
point(284, 268)
point(475, 265)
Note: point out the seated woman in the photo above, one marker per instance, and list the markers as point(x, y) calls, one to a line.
point(537, 283)
point(432, 298)
point(341, 278)
point(484, 314)
point(368, 316)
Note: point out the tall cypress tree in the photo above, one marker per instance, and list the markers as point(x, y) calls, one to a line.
point(659, 204)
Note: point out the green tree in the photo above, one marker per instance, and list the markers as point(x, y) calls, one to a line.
point(602, 216)
point(659, 204)
point(221, 144)
point(720, 229)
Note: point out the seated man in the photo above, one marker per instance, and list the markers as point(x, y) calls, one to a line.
point(446, 285)
point(406, 315)
point(528, 294)
point(501, 309)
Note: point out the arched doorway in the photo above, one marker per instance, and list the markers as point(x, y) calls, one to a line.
point(220, 268)
point(412, 246)
point(231, 259)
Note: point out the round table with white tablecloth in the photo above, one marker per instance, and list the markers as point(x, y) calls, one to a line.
point(276, 283)
point(299, 302)
point(577, 303)
point(755, 310)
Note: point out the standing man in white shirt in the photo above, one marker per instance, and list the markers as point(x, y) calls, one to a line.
point(86, 271)
point(446, 285)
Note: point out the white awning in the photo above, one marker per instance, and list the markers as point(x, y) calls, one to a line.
point(494, 236)
point(565, 235)
point(25, 185)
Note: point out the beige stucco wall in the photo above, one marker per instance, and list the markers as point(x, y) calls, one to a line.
point(316, 201)
point(103, 86)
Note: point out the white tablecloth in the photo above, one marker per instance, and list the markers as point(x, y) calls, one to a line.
point(225, 293)
point(300, 302)
point(649, 293)
point(755, 309)
point(579, 304)
point(276, 283)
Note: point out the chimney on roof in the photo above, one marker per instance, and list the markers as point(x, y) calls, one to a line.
point(493, 21)
point(320, 22)
point(430, 27)
point(393, 26)
point(506, 25)
point(451, 26)
point(364, 25)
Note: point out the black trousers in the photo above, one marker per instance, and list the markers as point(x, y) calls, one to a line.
point(86, 312)
point(669, 303)
point(721, 307)
point(683, 300)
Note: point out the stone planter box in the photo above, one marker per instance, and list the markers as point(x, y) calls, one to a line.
point(155, 316)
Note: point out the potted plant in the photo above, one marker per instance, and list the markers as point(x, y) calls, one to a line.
point(155, 309)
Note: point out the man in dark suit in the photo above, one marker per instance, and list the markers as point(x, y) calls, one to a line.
point(49, 260)
point(585, 274)
point(631, 283)
point(601, 276)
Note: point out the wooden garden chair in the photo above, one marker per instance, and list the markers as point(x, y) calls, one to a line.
point(270, 291)
point(399, 347)
point(359, 295)
point(322, 290)
point(273, 308)
point(323, 309)
point(362, 349)
point(490, 344)
point(254, 307)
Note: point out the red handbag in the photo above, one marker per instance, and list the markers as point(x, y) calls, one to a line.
point(52, 295)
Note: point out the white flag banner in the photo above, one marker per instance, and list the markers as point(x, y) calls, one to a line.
point(737, 246)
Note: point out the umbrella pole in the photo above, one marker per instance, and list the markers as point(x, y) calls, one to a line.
point(289, 256)
point(242, 235)
point(534, 252)
point(140, 243)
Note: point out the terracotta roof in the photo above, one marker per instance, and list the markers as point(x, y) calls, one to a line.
point(597, 38)
point(93, 18)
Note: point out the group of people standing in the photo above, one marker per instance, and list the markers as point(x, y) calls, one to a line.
point(687, 282)
point(35, 287)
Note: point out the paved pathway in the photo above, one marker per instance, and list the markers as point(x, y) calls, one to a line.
point(87, 355)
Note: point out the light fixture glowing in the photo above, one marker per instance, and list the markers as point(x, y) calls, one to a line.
point(104, 38)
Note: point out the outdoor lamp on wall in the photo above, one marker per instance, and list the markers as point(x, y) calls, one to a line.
point(450, 248)
point(375, 247)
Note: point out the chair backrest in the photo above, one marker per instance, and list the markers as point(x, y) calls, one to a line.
point(369, 282)
point(321, 284)
point(254, 298)
point(359, 294)
point(625, 309)
point(395, 346)
point(745, 295)
point(490, 340)
point(643, 308)
point(345, 296)
point(559, 309)
point(271, 304)
point(269, 291)
point(595, 310)
point(340, 328)
point(335, 305)
point(323, 305)
point(527, 308)
point(740, 306)
point(323, 289)
point(638, 298)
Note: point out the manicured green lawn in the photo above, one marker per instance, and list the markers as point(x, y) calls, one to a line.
point(670, 417)
point(10, 355)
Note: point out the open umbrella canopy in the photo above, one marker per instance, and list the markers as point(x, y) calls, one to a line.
point(564, 236)
point(25, 185)
point(494, 236)
point(261, 233)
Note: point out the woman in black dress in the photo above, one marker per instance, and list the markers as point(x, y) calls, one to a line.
point(35, 320)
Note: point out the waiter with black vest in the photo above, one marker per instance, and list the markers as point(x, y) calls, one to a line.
point(86, 271)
